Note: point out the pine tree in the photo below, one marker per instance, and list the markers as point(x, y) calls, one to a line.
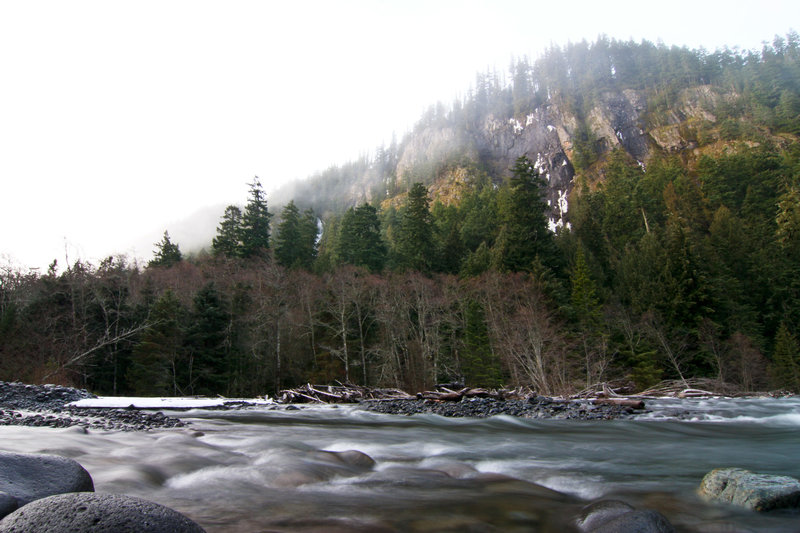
point(160, 350)
point(587, 312)
point(256, 223)
point(295, 244)
point(523, 213)
point(166, 253)
point(479, 365)
point(415, 235)
point(228, 241)
point(785, 368)
point(360, 241)
point(207, 343)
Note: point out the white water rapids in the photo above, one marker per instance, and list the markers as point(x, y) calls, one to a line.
point(267, 470)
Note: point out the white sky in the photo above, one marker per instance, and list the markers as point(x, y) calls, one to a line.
point(119, 119)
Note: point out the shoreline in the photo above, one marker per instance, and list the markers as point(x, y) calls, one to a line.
point(60, 407)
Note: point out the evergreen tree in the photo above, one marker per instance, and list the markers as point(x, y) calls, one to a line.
point(228, 241)
point(309, 238)
point(207, 338)
point(587, 312)
point(415, 245)
point(523, 213)
point(785, 368)
point(479, 365)
point(166, 253)
point(360, 241)
point(255, 231)
point(295, 244)
point(160, 350)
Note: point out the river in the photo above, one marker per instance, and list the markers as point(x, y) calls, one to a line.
point(270, 470)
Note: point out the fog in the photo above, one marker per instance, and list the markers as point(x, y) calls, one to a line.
point(119, 120)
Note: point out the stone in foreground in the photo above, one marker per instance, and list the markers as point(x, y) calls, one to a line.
point(759, 492)
point(27, 477)
point(612, 516)
point(96, 513)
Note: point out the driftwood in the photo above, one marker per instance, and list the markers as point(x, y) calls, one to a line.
point(456, 396)
point(622, 402)
point(342, 393)
point(617, 393)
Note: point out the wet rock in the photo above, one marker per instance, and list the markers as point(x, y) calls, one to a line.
point(599, 512)
point(636, 522)
point(28, 477)
point(47, 406)
point(8, 504)
point(612, 516)
point(759, 492)
point(98, 513)
point(537, 407)
point(354, 458)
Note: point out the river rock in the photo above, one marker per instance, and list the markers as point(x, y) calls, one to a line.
point(759, 492)
point(8, 504)
point(98, 513)
point(27, 477)
point(612, 516)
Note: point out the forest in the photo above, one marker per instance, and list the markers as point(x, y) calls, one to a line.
point(686, 268)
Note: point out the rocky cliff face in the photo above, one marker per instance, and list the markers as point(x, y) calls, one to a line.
point(547, 135)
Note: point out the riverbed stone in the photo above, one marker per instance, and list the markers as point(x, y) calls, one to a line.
point(28, 477)
point(758, 492)
point(8, 504)
point(98, 513)
point(613, 516)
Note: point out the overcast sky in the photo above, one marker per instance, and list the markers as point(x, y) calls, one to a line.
point(119, 119)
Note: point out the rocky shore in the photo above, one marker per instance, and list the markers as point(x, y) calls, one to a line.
point(46, 406)
point(539, 407)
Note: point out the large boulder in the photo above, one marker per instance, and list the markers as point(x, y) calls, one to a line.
point(612, 516)
point(27, 477)
point(759, 492)
point(96, 513)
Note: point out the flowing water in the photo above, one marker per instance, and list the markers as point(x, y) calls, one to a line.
point(274, 470)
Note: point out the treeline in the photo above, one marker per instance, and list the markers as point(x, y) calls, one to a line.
point(662, 274)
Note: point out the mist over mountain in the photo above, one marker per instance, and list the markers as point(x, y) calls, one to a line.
point(568, 110)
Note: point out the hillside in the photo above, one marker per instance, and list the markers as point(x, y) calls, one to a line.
point(569, 109)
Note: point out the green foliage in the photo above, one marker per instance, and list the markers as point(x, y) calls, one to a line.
point(360, 242)
point(523, 213)
point(479, 365)
point(415, 247)
point(166, 253)
point(160, 350)
point(228, 241)
point(296, 242)
point(785, 367)
point(255, 227)
point(207, 343)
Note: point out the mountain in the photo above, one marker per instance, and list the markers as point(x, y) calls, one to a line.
point(569, 110)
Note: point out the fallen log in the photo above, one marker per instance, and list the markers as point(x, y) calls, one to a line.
point(623, 402)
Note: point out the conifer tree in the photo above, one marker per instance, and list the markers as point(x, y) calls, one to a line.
point(206, 341)
point(479, 365)
point(360, 241)
point(587, 311)
point(160, 350)
point(415, 235)
point(785, 367)
point(166, 253)
point(228, 241)
point(256, 223)
point(523, 212)
point(295, 243)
